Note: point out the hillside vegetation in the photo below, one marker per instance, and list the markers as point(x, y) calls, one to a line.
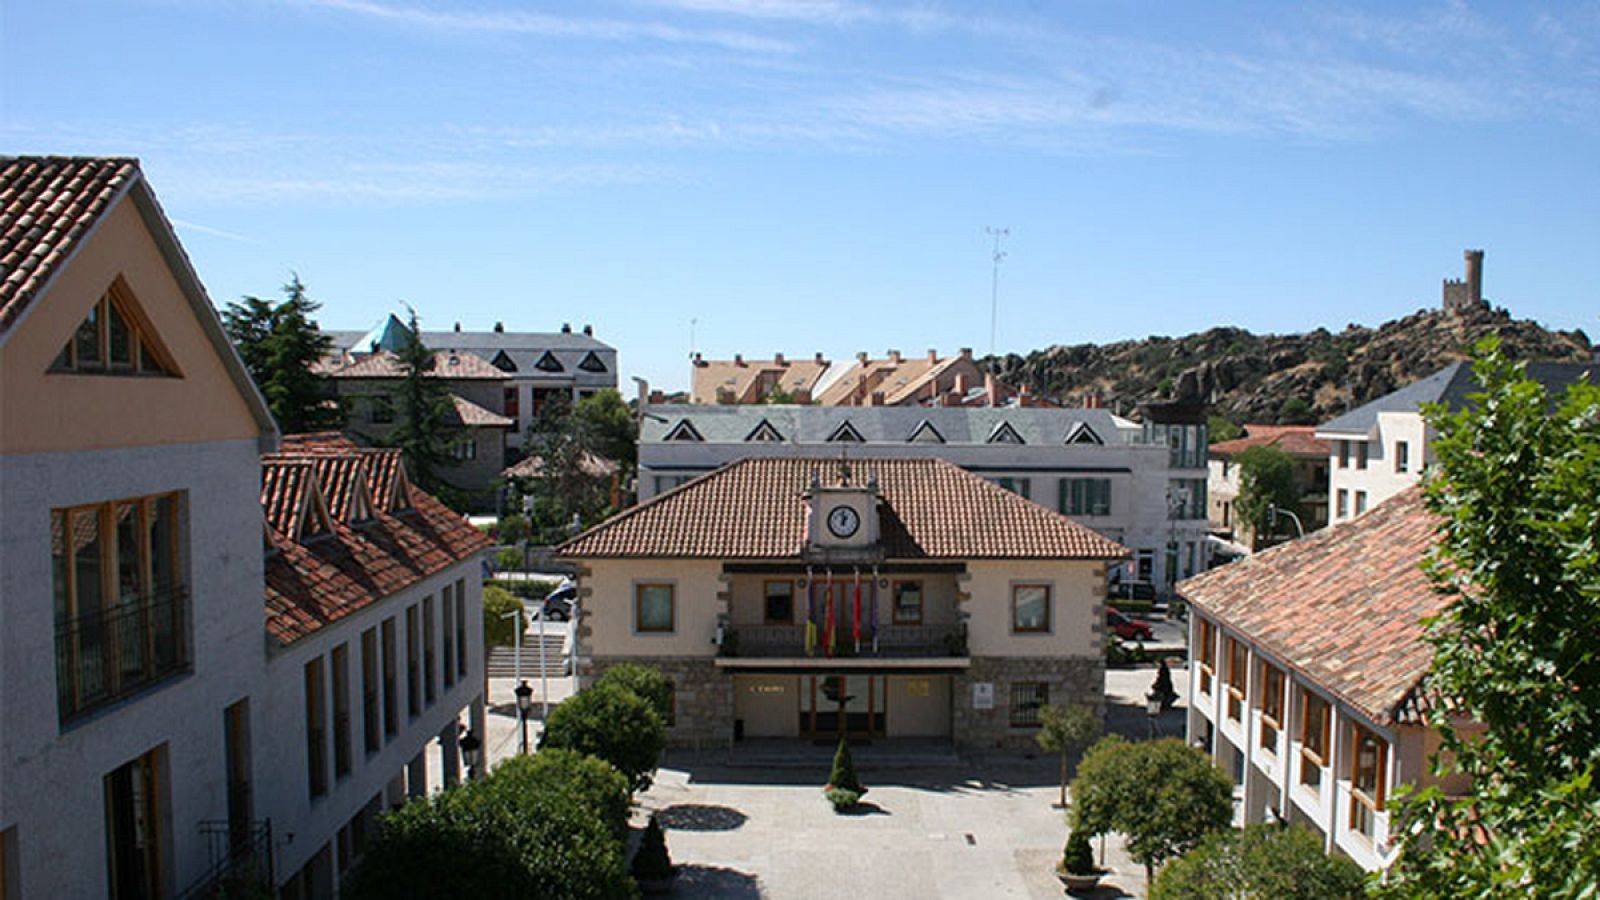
point(1279, 378)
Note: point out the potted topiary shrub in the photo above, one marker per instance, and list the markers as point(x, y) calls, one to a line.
point(844, 790)
point(652, 866)
point(1076, 869)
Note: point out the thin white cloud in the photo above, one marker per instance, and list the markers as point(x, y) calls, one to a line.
point(517, 22)
point(185, 225)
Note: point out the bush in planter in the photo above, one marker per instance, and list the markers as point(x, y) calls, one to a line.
point(587, 781)
point(1077, 858)
point(843, 776)
point(647, 682)
point(841, 798)
point(1263, 861)
point(652, 862)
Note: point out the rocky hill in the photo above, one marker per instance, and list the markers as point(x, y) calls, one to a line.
point(1279, 378)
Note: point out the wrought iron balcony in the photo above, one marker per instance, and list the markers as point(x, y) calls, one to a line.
point(240, 861)
point(892, 642)
point(115, 650)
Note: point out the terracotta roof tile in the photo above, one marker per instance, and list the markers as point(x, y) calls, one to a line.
point(448, 364)
point(755, 509)
point(1295, 440)
point(321, 580)
point(471, 415)
point(591, 465)
point(47, 205)
point(1343, 605)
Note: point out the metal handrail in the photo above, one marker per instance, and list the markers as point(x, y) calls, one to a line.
point(107, 653)
point(238, 856)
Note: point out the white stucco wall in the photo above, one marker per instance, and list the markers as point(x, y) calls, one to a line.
point(1379, 479)
point(608, 615)
point(1076, 614)
point(52, 779)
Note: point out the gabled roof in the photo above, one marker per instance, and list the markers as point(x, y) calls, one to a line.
point(1343, 606)
point(1081, 433)
point(764, 432)
point(925, 433)
point(311, 584)
point(50, 206)
point(1003, 433)
point(890, 425)
point(756, 509)
point(589, 464)
point(451, 365)
point(470, 415)
point(1296, 440)
point(683, 431)
point(1450, 385)
point(846, 433)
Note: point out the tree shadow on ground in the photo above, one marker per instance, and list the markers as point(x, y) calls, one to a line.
point(699, 817)
point(715, 883)
point(863, 808)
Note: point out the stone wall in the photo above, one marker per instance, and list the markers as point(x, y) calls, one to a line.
point(1080, 680)
point(703, 697)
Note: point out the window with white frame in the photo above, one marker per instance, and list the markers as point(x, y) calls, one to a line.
point(654, 608)
point(1315, 719)
point(1272, 685)
point(1368, 756)
point(1030, 608)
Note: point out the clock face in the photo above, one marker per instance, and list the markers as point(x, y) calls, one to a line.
point(843, 521)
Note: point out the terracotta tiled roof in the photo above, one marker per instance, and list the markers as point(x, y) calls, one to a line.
point(471, 415)
point(1295, 440)
point(741, 378)
point(310, 584)
point(591, 465)
point(447, 364)
point(756, 509)
point(1343, 605)
point(47, 205)
point(387, 484)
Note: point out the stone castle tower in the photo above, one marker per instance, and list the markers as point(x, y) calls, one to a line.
point(1467, 294)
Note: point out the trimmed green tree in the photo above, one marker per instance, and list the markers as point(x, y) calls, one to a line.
point(422, 404)
point(1266, 479)
point(529, 829)
point(647, 682)
point(613, 723)
point(499, 627)
point(1263, 862)
point(1077, 857)
point(1516, 482)
point(1163, 796)
point(652, 862)
point(1067, 730)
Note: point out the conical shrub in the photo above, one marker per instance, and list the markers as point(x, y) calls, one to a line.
point(844, 770)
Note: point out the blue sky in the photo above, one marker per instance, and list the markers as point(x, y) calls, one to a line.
point(804, 175)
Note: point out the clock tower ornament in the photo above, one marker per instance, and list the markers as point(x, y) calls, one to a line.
point(843, 521)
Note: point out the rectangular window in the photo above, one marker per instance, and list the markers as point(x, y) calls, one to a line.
point(1238, 668)
point(1361, 454)
point(1344, 454)
point(1315, 719)
point(1208, 655)
point(316, 729)
point(1361, 502)
point(341, 711)
point(908, 603)
point(461, 627)
point(778, 602)
point(653, 608)
point(430, 654)
point(1402, 456)
point(121, 609)
point(1367, 758)
point(1186, 498)
point(512, 403)
point(1271, 706)
point(447, 609)
point(1030, 607)
point(391, 698)
point(1342, 503)
point(414, 661)
point(1027, 698)
point(465, 449)
point(371, 726)
point(1017, 486)
point(1085, 496)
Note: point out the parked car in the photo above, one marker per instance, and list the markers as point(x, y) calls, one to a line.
point(558, 604)
point(1126, 628)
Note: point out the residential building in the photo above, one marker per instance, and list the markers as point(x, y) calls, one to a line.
point(1310, 457)
point(808, 597)
point(156, 737)
point(473, 430)
point(1141, 485)
point(130, 542)
point(1306, 665)
point(565, 366)
point(930, 380)
point(1381, 448)
point(374, 648)
point(737, 380)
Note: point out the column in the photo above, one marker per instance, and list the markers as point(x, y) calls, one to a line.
point(478, 721)
point(417, 775)
point(450, 754)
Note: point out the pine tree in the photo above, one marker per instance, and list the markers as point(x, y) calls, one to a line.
point(422, 405)
point(844, 770)
point(652, 860)
point(280, 345)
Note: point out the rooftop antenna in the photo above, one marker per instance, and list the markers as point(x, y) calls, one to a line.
point(692, 323)
point(994, 285)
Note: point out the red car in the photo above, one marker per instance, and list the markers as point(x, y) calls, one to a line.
point(1126, 628)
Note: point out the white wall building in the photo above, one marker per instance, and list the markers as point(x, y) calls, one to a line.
point(1143, 486)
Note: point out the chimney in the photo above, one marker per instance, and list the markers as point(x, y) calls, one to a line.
point(949, 400)
point(876, 399)
point(566, 328)
point(777, 359)
point(644, 392)
point(933, 354)
point(802, 396)
point(962, 384)
point(1474, 276)
point(989, 387)
point(738, 359)
point(458, 326)
point(966, 352)
point(861, 357)
point(1092, 400)
point(588, 330)
point(499, 328)
point(657, 397)
point(820, 360)
point(894, 357)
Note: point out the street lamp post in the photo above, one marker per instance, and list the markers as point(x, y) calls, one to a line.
point(1274, 511)
point(524, 706)
point(472, 752)
point(1152, 710)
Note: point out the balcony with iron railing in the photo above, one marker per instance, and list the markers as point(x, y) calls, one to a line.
point(239, 861)
point(889, 642)
point(109, 653)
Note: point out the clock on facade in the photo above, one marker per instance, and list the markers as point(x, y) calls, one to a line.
point(843, 521)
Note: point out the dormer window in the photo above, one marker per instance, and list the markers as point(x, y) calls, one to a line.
point(846, 433)
point(1081, 433)
point(925, 433)
point(764, 434)
point(592, 363)
point(1005, 434)
point(114, 340)
point(549, 363)
point(683, 431)
point(503, 362)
